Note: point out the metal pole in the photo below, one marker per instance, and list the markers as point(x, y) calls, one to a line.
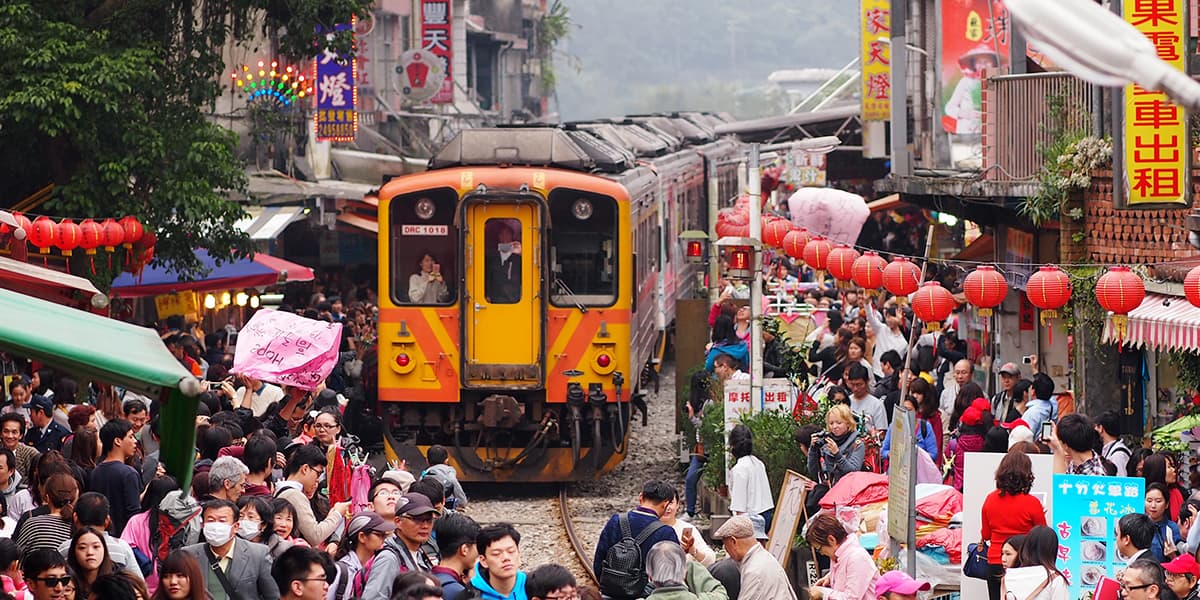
point(714, 255)
point(741, 174)
point(754, 189)
point(900, 157)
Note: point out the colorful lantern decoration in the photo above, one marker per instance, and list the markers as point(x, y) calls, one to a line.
point(67, 237)
point(1119, 291)
point(841, 262)
point(23, 224)
point(90, 235)
point(816, 253)
point(111, 235)
point(1049, 289)
point(1191, 286)
point(985, 288)
point(133, 231)
point(795, 241)
point(42, 234)
point(901, 277)
point(933, 303)
point(868, 271)
point(774, 230)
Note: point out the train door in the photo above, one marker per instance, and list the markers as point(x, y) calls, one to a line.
point(502, 311)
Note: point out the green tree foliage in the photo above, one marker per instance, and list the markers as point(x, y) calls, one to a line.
point(108, 101)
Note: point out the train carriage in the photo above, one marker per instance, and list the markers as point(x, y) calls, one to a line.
point(558, 277)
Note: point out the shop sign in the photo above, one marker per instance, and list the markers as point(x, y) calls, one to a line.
point(876, 60)
point(806, 169)
point(1156, 136)
point(1086, 511)
point(180, 303)
point(336, 116)
point(436, 38)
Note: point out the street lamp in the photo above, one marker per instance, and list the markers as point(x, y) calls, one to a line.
point(1100, 47)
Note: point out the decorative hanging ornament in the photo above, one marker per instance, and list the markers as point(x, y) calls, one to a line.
point(89, 239)
point(985, 288)
point(1191, 286)
point(841, 262)
point(133, 231)
point(1049, 289)
point(795, 241)
point(868, 272)
point(816, 255)
point(42, 234)
point(901, 277)
point(67, 238)
point(23, 224)
point(774, 230)
point(1119, 291)
point(933, 304)
point(111, 236)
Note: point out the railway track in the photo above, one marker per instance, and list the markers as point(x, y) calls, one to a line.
point(581, 554)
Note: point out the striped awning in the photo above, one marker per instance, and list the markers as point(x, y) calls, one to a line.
point(267, 222)
point(1161, 322)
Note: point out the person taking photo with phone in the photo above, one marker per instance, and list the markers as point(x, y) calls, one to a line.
point(1073, 441)
point(427, 286)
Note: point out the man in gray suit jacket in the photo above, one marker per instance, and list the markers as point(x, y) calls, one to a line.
point(234, 569)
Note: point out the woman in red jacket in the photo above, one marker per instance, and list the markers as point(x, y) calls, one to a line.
point(1009, 511)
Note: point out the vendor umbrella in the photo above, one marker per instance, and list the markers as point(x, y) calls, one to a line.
point(263, 270)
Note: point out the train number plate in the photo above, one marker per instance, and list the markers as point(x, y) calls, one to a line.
point(424, 230)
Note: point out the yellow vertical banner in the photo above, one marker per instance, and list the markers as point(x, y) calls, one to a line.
point(876, 60)
point(1155, 137)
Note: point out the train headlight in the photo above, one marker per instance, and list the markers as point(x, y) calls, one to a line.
point(424, 209)
point(402, 360)
point(603, 360)
point(582, 209)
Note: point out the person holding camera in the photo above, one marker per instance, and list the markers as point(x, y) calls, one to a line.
point(834, 452)
point(427, 286)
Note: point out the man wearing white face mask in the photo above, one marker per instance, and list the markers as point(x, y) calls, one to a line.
point(503, 276)
point(235, 569)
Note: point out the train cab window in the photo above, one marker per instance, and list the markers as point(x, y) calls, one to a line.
point(583, 249)
point(424, 248)
point(502, 279)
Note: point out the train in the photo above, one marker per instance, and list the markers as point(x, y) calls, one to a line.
point(527, 288)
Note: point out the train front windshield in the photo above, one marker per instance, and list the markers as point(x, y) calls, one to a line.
point(583, 246)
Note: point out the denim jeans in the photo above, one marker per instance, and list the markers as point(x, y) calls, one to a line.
point(691, 480)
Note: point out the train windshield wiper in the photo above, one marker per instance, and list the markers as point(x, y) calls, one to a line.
point(562, 287)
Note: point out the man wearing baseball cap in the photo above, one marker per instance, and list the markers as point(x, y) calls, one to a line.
point(897, 585)
point(1182, 573)
point(1004, 403)
point(402, 552)
point(762, 577)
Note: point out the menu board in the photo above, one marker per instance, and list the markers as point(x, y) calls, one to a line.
point(1086, 511)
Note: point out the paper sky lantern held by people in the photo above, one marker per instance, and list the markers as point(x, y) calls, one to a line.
point(1119, 291)
point(985, 288)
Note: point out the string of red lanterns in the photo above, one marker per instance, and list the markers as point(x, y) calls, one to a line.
point(66, 236)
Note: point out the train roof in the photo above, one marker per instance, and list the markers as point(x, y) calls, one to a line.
point(564, 148)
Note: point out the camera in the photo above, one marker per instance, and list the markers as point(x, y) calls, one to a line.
point(820, 437)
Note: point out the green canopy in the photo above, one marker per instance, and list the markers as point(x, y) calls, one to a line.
point(90, 346)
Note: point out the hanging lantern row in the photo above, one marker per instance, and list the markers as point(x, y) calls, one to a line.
point(88, 235)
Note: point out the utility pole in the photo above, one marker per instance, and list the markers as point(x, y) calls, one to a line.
point(754, 190)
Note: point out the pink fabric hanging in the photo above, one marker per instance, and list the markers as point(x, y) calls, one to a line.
point(360, 488)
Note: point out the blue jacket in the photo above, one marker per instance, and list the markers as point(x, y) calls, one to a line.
point(480, 582)
point(1162, 529)
point(639, 518)
point(738, 351)
point(924, 440)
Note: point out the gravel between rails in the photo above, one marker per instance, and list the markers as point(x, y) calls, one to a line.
point(534, 509)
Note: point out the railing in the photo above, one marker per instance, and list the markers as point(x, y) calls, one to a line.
point(1020, 113)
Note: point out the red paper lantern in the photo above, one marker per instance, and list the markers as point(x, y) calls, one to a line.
point(868, 271)
point(901, 277)
point(816, 253)
point(1120, 291)
point(933, 303)
point(23, 224)
point(1191, 286)
point(841, 262)
point(774, 230)
point(1049, 289)
point(111, 235)
point(67, 236)
point(89, 236)
point(985, 288)
point(42, 234)
point(133, 231)
point(795, 241)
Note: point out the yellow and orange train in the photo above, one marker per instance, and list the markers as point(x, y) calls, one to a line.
point(528, 282)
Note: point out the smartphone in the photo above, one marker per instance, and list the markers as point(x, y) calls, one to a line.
point(1047, 430)
point(231, 339)
point(1027, 359)
point(437, 268)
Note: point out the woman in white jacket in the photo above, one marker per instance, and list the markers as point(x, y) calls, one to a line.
point(1036, 577)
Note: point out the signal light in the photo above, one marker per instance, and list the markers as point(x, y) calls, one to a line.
point(402, 360)
point(740, 263)
point(603, 360)
point(694, 251)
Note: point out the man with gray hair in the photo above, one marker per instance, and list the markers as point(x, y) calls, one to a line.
point(227, 478)
point(762, 577)
point(666, 568)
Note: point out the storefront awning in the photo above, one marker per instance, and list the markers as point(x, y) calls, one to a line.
point(267, 222)
point(260, 271)
point(46, 284)
point(1161, 322)
point(366, 223)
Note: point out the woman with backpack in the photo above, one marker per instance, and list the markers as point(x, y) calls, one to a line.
point(364, 538)
point(143, 532)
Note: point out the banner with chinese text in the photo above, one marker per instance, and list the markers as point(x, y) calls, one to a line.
point(876, 60)
point(336, 116)
point(806, 169)
point(975, 38)
point(436, 39)
point(1086, 511)
point(1156, 138)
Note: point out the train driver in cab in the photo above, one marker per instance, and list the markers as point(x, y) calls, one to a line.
point(503, 283)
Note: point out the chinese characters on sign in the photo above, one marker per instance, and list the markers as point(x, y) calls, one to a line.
point(1156, 137)
point(337, 95)
point(1086, 511)
point(807, 169)
point(876, 61)
point(436, 39)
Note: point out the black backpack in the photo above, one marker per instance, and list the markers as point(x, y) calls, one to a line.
point(622, 573)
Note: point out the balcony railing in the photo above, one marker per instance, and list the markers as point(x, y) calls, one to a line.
point(1020, 114)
